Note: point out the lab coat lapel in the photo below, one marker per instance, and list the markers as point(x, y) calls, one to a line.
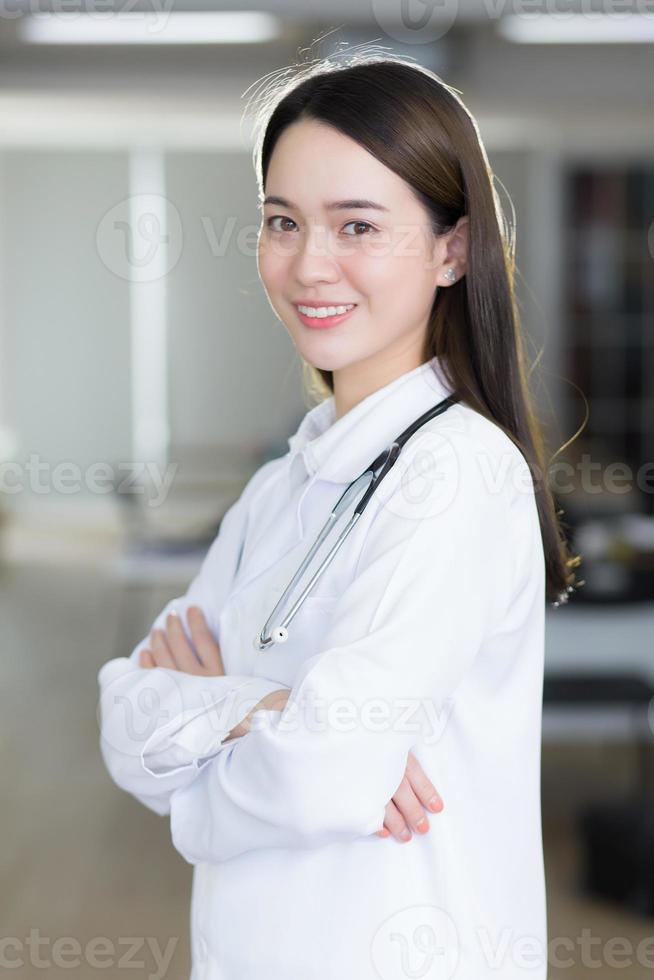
point(334, 452)
point(338, 451)
point(268, 539)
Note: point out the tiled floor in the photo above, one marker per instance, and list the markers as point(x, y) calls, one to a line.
point(84, 867)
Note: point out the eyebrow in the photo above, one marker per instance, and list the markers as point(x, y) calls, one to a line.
point(353, 204)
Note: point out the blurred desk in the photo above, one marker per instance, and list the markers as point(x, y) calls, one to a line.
point(599, 642)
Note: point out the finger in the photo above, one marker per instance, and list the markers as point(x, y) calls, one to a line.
point(205, 643)
point(384, 832)
point(276, 700)
point(422, 786)
point(160, 651)
point(180, 647)
point(396, 823)
point(145, 658)
point(410, 807)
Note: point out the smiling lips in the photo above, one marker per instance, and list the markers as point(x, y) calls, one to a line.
point(321, 322)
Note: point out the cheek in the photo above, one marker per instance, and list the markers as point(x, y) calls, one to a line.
point(393, 284)
point(383, 266)
point(401, 277)
point(272, 265)
point(399, 296)
point(368, 275)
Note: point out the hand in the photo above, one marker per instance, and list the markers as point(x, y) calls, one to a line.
point(275, 701)
point(405, 808)
point(170, 647)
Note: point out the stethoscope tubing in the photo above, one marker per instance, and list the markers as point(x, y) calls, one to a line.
point(385, 462)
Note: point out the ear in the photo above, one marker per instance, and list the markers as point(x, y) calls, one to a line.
point(456, 253)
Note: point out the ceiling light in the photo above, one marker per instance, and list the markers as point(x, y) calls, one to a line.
point(588, 28)
point(149, 27)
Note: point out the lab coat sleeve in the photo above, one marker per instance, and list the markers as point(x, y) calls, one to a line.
point(159, 726)
point(433, 580)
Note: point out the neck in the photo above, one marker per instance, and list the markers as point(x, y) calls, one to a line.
point(356, 381)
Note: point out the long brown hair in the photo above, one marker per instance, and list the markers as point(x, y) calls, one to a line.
point(417, 126)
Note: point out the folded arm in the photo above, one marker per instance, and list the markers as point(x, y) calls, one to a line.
point(433, 580)
point(160, 726)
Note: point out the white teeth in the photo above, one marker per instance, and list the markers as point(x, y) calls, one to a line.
point(321, 311)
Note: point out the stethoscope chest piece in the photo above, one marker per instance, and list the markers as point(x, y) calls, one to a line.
point(279, 634)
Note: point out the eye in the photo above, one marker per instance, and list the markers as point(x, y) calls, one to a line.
point(282, 217)
point(364, 223)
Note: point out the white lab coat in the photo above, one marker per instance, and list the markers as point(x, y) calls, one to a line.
point(426, 633)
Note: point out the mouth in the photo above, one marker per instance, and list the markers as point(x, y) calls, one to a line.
point(317, 322)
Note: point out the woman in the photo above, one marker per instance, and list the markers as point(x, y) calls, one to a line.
point(417, 659)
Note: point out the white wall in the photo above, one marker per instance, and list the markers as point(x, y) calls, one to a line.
point(233, 369)
point(235, 387)
point(234, 378)
point(64, 316)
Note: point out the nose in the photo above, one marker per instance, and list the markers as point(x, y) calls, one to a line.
point(315, 260)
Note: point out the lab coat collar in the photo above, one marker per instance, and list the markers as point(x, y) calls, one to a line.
point(338, 450)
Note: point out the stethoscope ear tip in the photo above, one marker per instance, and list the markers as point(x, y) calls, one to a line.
point(279, 634)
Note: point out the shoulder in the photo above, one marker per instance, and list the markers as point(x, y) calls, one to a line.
point(497, 459)
point(237, 515)
point(460, 457)
point(262, 478)
point(502, 487)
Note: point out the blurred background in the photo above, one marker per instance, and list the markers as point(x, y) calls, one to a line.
point(143, 378)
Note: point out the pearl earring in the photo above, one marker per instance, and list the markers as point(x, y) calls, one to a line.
point(450, 275)
point(563, 596)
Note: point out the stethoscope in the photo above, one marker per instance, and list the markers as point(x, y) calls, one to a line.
point(384, 463)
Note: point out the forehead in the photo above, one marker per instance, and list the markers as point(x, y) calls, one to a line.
point(313, 164)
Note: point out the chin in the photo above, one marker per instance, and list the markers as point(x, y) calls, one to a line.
point(323, 360)
point(316, 354)
point(322, 363)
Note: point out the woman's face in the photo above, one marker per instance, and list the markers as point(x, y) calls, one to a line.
point(384, 259)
